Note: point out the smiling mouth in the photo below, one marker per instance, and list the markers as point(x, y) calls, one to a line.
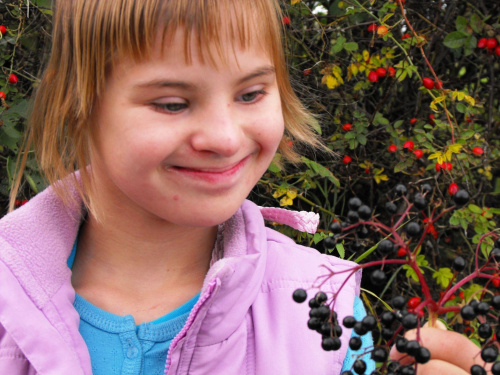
point(211, 174)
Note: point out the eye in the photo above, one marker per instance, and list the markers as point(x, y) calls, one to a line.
point(252, 96)
point(171, 107)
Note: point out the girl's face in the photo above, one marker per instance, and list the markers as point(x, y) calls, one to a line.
point(186, 143)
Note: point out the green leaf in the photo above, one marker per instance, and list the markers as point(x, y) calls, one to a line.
point(338, 45)
point(476, 23)
point(455, 39)
point(322, 171)
point(362, 139)
point(475, 209)
point(461, 24)
point(341, 250)
point(410, 273)
point(443, 277)
point(351, 46)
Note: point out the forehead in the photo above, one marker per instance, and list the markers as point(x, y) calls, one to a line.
point(211, 30)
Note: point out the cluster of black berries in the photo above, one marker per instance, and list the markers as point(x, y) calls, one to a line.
point(489, 352)
point(321, 319)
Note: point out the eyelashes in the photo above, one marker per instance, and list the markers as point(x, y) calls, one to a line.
point(176, 107)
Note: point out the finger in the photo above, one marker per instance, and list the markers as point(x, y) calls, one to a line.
point(440, 367)
point(447, 346)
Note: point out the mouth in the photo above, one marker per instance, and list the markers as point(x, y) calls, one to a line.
point(212, 174)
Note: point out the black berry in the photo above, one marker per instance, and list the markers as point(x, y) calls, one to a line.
point(482, 308)
point(355, 343)
point(467, 312)
point(378, 277)
point(458, 264)
point(495, 302)
point(426, 188)
point(398, 302)
point(335, 227)
point(420, 202)
point(489, 354)
point(412, 347)
point(331, 343)
point(385, 247)
point(354, 203)
point(423, 355)
point(461, 197)
point(360, 329)
point(495, 369)
point(352, 216)
point(413, 229)
point(321, 297)
point(349, 321)
point(401, 189)
point(410, 321)
point(391, 208)
point(363, 232)
point(364, 212)
point(329, 243)
point(485, 331)
point(299, 295)
point(379, 354)
point(387, 318)
point(401, 343)
point(359, 366)
point(369, 322)
point(477, 370)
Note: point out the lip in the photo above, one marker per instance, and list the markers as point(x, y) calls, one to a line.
point(213, 175)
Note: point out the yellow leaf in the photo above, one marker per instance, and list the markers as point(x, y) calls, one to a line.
point(362, 68)
point(461, 96)
point(366, 55)
point(455, 148)
point(286, 201)
point(331, 82)
point(295, 2)
point(380, 177)
point(337, 73)
point(470, 100)
point(454, 95)
point(292, 193)
point(279, 192)
point(354, 69)
point(435, 155)
point(433, 106)
point(439, 99)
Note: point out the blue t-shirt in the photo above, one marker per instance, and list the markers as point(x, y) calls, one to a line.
point(119, 347)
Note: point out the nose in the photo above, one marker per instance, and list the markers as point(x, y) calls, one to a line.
point(218, 131)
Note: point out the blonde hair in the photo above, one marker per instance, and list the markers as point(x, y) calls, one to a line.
point(91, 35)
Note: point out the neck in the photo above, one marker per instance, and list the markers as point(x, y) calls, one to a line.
point(119, 260)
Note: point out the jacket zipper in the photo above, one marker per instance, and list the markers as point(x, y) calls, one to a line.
point(189, 322)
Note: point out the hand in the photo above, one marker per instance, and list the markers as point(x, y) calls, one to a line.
point(451, 353)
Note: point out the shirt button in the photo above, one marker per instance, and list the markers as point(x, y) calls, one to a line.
point(132, 352)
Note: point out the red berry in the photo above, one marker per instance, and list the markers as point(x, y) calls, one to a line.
point(453, 188)
point(414, 302)
point(496, 282)
point(413, 121)
point(367, 170)
point(3, 29)
point(372, 28)
point(392, 71)
point(347, 159)
point(461, 295)
point(13, 78)
point(491, 43)
point(381, 72)
point(2, 95)
point(418, 153)
point(482, 43)
point(428, 83)
point(392, 148)
point(409, 145)
point(401, 252)
point(439, 85)
point(448, 166)
point(373, 76)
point(401, 1)
point(307, 71)
point(431, 117)
point(477, 151)
point(439, 167)
point(290, 144)
point(17, 202)
point(497, 51)
point(382, 30)
point(24, 202)
point(346, 127)
point(405, 36)
point(286, 20)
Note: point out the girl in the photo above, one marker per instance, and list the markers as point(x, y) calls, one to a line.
point(153, 121)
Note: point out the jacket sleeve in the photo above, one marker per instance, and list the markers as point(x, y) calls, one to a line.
point(12, 359)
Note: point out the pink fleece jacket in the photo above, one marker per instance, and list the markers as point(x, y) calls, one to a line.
point(245, 321)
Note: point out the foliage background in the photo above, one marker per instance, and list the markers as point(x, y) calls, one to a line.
point(331, 53)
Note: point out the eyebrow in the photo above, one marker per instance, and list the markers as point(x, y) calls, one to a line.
point(160, 83)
